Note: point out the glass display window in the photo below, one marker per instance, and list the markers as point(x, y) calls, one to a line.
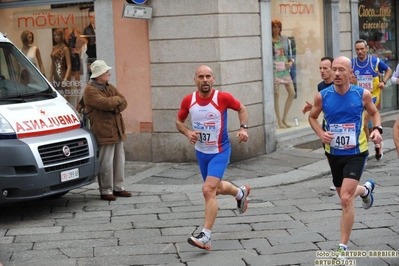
point(377, 25)
point(58, 39)
point(296, 64)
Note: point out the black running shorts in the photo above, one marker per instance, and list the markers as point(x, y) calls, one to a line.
point(348, 166)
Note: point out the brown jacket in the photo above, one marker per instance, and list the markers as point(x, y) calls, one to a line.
point(104, 104)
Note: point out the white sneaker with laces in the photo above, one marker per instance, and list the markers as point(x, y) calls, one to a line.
point(340, 253)
point(367, 201)
point(242, 204)
point(200, 241)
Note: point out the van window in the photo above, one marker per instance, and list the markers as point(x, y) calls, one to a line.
point(20, 81)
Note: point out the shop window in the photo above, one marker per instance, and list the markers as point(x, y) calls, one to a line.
point(297, 53)
point(377, 27)
point(33, 30)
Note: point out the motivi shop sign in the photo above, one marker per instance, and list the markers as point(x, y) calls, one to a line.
point(295, 8)
point(47, 18)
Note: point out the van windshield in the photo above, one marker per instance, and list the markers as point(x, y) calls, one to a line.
point(20, 81)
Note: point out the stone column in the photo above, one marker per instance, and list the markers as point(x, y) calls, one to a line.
point(332, 27)
point(355, 23)
point(104, 21)
point(267, 73)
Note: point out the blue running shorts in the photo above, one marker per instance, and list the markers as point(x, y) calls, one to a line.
point(213, 164)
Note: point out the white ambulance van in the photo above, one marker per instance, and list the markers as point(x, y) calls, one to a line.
point(44, 148)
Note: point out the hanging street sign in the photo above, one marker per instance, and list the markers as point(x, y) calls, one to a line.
point(139, 2)
point(137, 11)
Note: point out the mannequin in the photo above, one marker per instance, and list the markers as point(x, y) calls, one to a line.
point(75, 44)
point(61, 64)
point(282, 61)
point(31, 51)
point(90, 34)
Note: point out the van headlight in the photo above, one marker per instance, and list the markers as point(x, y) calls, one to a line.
point(6, 130)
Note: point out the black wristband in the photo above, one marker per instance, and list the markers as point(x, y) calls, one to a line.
point(379, 128)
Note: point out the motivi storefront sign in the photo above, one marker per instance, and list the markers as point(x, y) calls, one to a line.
point(295, 8)
point(48, 18)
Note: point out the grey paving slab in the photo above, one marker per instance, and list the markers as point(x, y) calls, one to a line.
point(27, 222)
point(154, 259)
point(177, 173)
point(304, 237)
point(168, 204)
point(223, 258)
point(395, 228)
point(98, 242)
point(295, 202)
point(82, 221)
point(29, 255)
point(7, 249)
point(294, 258)
point(131, 210)
point(43, 261)
point(284, 225)
point(137, 249)
point(7, 240)
point(287, 248)
point(258, 168)
point(81, 252)
point(98, 227)
point(62, 236)
point(256, 244)
point(243, 235)
point(34, 231)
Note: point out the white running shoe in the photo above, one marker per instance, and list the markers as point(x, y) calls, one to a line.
point(340, 253)
point(242, 204)
point(200, 241)
point(367, 201)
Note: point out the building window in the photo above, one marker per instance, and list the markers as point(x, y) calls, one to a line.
point(34, 29)
point(377, 25)
point(296, 63)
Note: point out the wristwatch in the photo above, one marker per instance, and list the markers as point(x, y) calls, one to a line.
point(379, 128)
point(244, 126)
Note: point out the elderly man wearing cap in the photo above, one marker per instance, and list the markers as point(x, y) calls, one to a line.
point(103, 105)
